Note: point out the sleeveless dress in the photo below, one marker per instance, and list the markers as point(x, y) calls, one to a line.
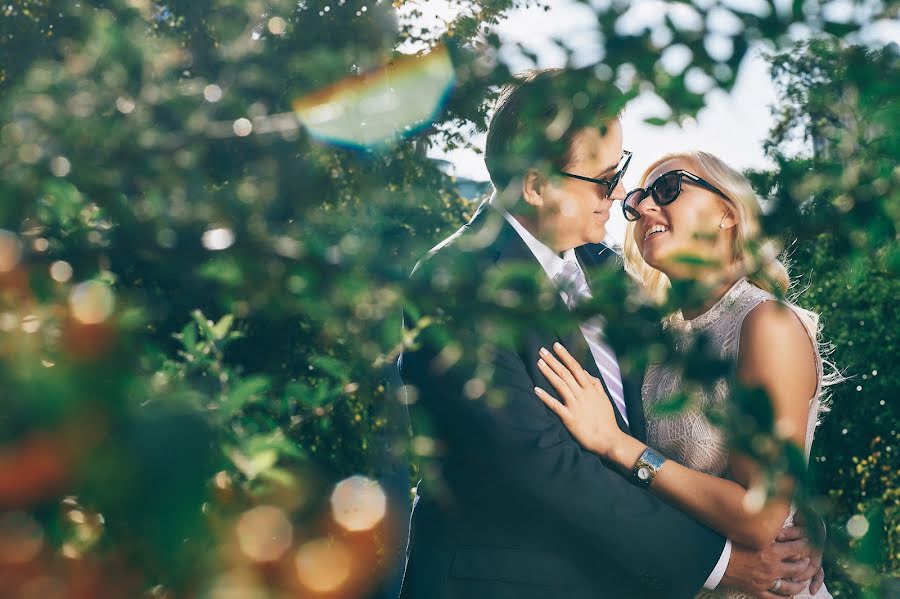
point(687, 436)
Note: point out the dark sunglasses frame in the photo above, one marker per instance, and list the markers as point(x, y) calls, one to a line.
point(632, 214)
point(612, 183)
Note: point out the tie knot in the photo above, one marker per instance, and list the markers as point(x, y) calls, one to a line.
point(571, 282)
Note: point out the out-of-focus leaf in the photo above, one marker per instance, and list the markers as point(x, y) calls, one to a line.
point(221, 328)
point(247, 390)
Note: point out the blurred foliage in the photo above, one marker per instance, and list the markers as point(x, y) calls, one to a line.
point(836, 142)
point(200, 299)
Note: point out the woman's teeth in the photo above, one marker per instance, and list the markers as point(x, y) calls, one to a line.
point(655, 229)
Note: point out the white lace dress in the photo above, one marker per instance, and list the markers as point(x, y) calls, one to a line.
point(687, 436)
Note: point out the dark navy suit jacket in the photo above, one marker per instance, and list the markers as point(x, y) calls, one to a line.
point(514, 507)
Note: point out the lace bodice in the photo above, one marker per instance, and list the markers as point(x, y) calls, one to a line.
point(688, 436)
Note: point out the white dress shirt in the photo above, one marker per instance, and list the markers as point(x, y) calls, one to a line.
point(552, 263)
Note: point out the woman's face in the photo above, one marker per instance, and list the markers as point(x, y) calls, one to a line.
point(672, 238)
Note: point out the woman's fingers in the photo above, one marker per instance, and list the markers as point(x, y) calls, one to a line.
point(558, 383)
point(598, 385)
point(572, 364)
point(560, 369)
point(551, 402)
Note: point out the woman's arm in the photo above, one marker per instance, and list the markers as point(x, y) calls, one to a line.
point(776, 355)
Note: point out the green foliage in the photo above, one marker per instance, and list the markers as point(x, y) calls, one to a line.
point(840, 101)
point(248, 287)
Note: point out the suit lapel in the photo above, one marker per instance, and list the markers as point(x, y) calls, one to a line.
point(510, 247)
point(592, 256)
point(577, 345)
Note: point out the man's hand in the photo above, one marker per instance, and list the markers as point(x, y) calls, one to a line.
point(819, 530)
point(755, 572)
point(814, 571)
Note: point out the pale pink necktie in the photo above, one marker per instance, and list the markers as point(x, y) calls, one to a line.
point(573, 287)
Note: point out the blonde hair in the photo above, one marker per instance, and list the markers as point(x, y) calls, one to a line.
point(754, 257)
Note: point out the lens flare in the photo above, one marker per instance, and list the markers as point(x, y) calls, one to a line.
point(323, 565)
point(375, 108)
point(358, 503)
point(264, 533)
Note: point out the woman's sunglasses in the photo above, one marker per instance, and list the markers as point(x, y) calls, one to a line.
point(664, 190)
point(611, 183)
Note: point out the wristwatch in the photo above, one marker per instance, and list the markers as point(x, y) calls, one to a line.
point(646, 467)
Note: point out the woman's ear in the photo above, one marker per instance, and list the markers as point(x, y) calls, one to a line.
point(728, 220)
point(532, 187)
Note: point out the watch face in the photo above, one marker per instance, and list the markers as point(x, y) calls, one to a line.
point(643, 473)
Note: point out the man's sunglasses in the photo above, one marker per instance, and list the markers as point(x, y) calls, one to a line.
point(664, 190)
point(611, 184)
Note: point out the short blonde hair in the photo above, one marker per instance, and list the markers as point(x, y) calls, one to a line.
point(755, 257)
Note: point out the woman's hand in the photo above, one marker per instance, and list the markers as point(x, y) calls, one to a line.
point(585, 409)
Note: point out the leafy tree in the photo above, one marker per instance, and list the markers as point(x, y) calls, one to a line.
point(200, 289)
point(837, 103)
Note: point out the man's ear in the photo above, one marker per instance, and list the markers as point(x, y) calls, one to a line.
point(532, 188)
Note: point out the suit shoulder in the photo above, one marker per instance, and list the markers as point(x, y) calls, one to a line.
point(447, 254)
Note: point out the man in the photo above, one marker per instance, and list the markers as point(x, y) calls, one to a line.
point(512, 506)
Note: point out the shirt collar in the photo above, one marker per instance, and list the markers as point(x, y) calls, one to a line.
point(549, 260)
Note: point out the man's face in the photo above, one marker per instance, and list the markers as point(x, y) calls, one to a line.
point(573, 212)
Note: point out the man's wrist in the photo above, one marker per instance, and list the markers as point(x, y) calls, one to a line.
point(717, 576)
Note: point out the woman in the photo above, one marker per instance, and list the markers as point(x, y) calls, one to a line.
point(694, 204)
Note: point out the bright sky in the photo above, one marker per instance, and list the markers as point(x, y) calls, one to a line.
point(732, 126)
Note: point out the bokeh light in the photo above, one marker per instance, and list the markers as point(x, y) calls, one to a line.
point(219, 238)
point(10, 250)
point(242, 127)
point(91, 302)
point(31, 323)
point(212, 93)
point(323, 565)
point(358, 503)
point(375, 108)
point(857, 526)
point(60, 166)
point(264, 533)
point(61, 271)
point(277, 26)
point(125, 105)
point(237, 584)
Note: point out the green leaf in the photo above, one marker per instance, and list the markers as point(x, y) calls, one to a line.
point(656, 121)
point(205, 325)
point(252, 465)
point(312, 396)
point(189, 337)
point(221, 328)
point(248, 390)
point(224, 270)
point(673, 405)
point(331, 366)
